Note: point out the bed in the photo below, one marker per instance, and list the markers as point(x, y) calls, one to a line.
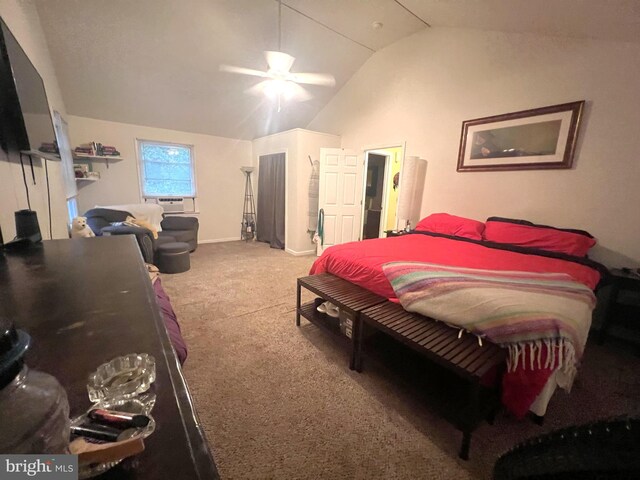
point(463, 272)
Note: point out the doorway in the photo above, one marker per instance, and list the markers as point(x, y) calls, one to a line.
point(380, 196)
point(270, 225)
point(373, 195)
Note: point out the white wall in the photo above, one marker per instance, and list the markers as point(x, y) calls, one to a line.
point(422, 88)
point(219, 182)
point(22, 19)
point(299, 144)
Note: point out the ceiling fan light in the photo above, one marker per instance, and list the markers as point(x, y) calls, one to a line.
point(271, 89)
point(289, 90)
point(279, 88)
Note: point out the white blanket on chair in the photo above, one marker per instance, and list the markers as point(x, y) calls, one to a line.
point(150, 212)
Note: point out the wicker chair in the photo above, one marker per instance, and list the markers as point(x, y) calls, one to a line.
point(606, 449)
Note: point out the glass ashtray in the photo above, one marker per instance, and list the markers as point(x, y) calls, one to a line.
point(140, 405)
point(123, 377)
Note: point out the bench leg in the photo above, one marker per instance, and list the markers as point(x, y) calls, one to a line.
point(472, 419)
point(465, 446)
point(360, 343)
point(491, 418)
point(298, 305)
point(537, 419)
point(354, 340)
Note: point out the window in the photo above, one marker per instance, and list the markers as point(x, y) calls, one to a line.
point(166, 169)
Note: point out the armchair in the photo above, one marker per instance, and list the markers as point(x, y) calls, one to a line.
point(598, 450)
point(100, 220)
point(181, 229)
point(174, 229)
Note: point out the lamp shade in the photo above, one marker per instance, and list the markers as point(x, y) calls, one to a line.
point(408, 204)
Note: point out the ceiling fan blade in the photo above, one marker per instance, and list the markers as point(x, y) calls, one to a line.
point(279, 61)
point(324, 79)
point(243, 71)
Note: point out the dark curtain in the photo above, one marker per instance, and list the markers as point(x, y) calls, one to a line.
point(271, 191)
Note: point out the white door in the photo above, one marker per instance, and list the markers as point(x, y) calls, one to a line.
point(341, 179)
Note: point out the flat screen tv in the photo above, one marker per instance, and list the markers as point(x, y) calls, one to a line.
point(24, 108)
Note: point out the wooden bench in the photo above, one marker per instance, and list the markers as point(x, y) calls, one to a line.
point(349, 298)
point(440, 343)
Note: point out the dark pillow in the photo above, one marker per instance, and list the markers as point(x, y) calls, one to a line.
point(99, 218)
point(543, 237)
point(451, 225)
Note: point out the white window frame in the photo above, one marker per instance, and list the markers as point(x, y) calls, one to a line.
point(140, 142)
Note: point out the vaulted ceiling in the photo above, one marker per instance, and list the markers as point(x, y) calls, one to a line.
point(156, 62)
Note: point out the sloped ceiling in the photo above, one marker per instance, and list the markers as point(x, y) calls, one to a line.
point(617, 20)
point(155, 62)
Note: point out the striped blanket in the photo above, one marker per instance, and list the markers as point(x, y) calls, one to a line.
point(542, 318)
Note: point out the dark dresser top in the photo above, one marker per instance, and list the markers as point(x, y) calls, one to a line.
point(86, 301)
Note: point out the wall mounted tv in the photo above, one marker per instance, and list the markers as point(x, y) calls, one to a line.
point(24, 110)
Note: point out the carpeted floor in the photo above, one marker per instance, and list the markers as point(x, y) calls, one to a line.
point(279, 402)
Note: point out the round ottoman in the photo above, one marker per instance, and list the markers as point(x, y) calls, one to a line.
point(173, 257)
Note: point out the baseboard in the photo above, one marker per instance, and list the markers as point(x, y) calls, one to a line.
point(299, 254)
point(220, 240)
point(237, 239)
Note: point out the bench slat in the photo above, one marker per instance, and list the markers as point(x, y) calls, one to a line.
point(471, 358)
point(445, 342)
point(418, 331)
point(410, 333)
point(406, 324)
point(340, 292)
point(454, 344)
point(467, 341)
point(423, 335)
point(388, 317)
point(480, 360)
point(436, 339)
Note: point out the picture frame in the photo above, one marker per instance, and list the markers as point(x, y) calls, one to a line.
point(536, 139)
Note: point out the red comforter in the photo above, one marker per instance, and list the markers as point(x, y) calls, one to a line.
point(361, 263)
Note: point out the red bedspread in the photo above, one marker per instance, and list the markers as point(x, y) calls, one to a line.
point(361, 263)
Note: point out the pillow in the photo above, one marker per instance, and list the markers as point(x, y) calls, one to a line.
point(139, 222)
point(527, 234)
point(452, 225)
point(123, 224)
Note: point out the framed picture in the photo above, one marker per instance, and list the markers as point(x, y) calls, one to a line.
point(529, 140)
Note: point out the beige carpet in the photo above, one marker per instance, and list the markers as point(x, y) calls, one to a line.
point(280, 402)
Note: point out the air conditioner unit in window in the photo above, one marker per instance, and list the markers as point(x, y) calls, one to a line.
point(172, 205)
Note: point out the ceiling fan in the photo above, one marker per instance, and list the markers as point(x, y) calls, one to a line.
point(280, 83)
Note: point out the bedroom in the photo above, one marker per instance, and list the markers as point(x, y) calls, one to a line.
point(417, 90)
